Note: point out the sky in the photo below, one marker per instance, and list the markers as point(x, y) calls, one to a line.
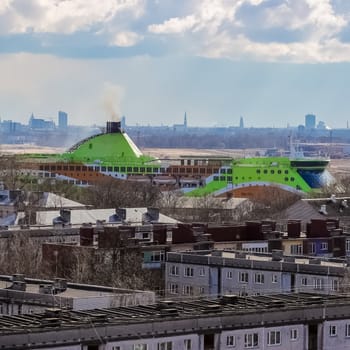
point(269, 61)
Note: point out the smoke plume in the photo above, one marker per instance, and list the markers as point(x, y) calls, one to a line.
point(112, 96)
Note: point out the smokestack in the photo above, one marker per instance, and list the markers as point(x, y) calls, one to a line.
point(113, 127)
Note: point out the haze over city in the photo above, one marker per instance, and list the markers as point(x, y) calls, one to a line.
point(270, 61)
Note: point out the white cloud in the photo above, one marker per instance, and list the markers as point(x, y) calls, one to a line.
point(174, 25)
point(125, 39)
point(68, 16)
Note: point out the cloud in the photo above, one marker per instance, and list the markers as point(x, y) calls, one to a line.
point(126, 39)
point(63, 16)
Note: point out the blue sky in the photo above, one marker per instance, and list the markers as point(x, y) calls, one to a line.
point(270, 61)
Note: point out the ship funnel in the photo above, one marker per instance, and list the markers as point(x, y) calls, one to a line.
point(113, 127)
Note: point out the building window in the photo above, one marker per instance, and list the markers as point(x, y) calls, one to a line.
point(251, 340)
point(332, 331)
point(174, 270)
point(201, 290)
point(187, 344)
point(296, 249)
point(274, 338)
point(318, 283)
point(312, 248)
point(140, 347)
point(274, 278)
point(187, 290)
point(174, 288)
point(229, 274)
point(231, 340)
point(348, 245)
point(304, 281)
point(347, 330)
point(293, 334)
point(259, 278)
point(324, 246)
point(116, 347)
point(243, 277)
point(202, 271)
point(168, 345)
point(188, 272)
point(335, 285)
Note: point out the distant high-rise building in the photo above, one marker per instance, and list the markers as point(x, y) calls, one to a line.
point(62, 120)
point(185, 120)
point(123, 122)
point(241, 123)
point(310, 121)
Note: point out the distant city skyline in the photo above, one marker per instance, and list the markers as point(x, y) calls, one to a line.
point(270, 61)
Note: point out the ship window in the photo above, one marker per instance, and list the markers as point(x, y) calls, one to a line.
point(53, 168)
point(215, 170)
point(109, 168)
point(175, 170)
point(47, 167)
point(182, 170)
point(182, 162)
point(222, 178)
point(189, 162)
point(195, 170)
point(149, 170)
point(286, 171)
point(195, 162)
point(122, 169)
point(84, 168)
point(222, 171)
point(272, 171)
point(65, 167)
point(202, 170)
point(292, 179)
point(103, 168)
point(90, 168)
point(286, 178)
point(162, 170)
point(71, 182)
point(258, 171)
point(78, 168)
point(142, 170)
point(279, 171)
point(84, 182)
point(116, 168)
point(71, 168)
point(41, 167)
point(229, 171)
point(229, 178)
point(136, 169)
point(97, 168)
point(59, 167)
point(78, 182)
point(129, 169)
point(188, 170)
point(265, 171)
point(216, 178)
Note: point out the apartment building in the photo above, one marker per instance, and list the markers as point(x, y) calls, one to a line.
point(282, 321)
point(226, 272)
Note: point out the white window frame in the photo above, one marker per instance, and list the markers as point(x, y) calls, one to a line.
point(274, 338)
point(188, 271)
point(318, 283)
point(231, 341)
point(243, 277)
point(304, 281)
point(187, 289)
point(347, 330)
point(174, 270)
point(335, 285)
point(166, 345)
point(187, 344)
point(296, 249)
point(229, 274)
point(347, 245)
point(140, 346)
point(201, 271)
point(274, 278)
point(174, 288)
point(332, 330)
point(312, 248)
point(324, 245)
point(259, 278)
point(201, 290)
point(293, 334)
point(251, 340)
